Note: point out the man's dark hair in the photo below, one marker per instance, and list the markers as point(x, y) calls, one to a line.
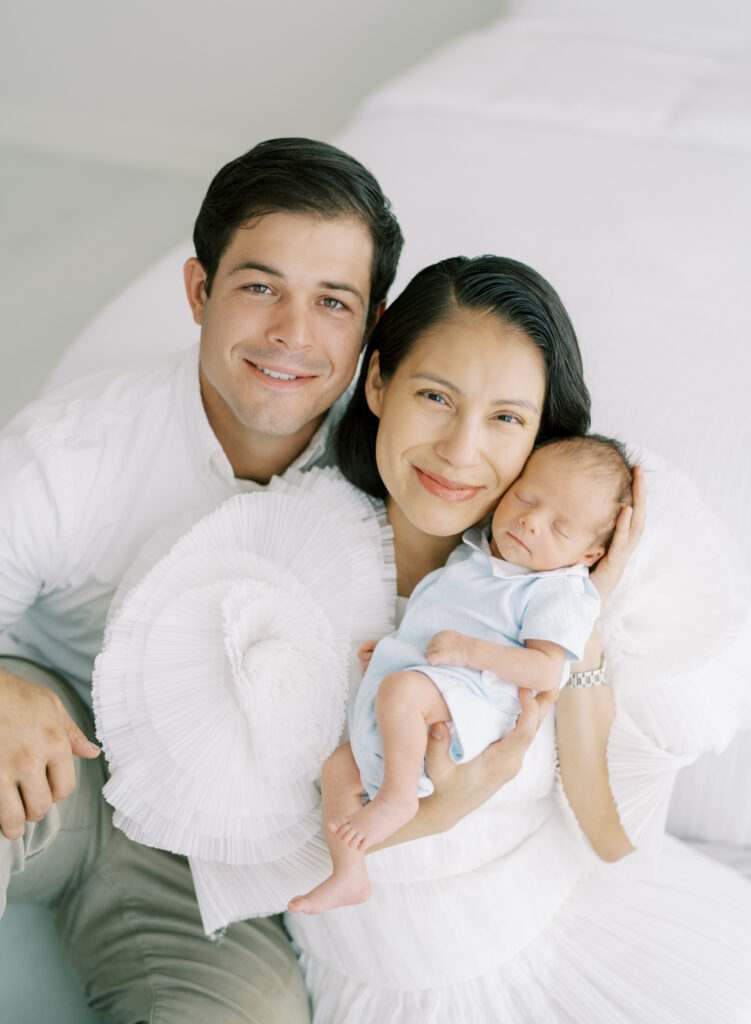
point(504, 288)
point(297, 176)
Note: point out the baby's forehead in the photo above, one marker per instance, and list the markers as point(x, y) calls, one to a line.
point(549, 468)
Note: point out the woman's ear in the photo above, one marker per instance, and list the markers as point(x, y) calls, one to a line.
point(374, 385)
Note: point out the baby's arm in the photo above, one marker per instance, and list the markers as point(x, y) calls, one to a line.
point(537, 666)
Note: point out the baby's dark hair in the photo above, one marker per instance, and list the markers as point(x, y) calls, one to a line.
point(607, 460)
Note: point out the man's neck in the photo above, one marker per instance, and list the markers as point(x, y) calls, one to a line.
point(255, 456)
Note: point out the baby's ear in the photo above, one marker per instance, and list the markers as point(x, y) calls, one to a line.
point(594, 556)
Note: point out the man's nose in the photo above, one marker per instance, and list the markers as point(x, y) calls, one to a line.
point(291, 325)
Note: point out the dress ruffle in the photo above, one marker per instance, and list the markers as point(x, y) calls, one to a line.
point(677, 632)
point(223, 681)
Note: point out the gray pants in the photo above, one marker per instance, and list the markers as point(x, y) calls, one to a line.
point(127, 914)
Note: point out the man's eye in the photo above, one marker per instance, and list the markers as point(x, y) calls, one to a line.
point(331, 303)
point(257, 289)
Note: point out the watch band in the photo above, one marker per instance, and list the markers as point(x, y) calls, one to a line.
point(593, 677)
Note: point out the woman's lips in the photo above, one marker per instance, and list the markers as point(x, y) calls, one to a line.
point(447, 490)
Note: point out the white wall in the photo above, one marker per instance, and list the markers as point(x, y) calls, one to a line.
point(186, 86)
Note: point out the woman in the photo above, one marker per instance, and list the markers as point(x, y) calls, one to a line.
point(509, 915)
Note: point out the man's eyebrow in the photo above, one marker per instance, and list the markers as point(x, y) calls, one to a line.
point(334, 286)
point(520, 402)
point(342, 286)
point(252, 265)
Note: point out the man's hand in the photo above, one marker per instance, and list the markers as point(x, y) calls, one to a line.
point(460, 788)
point(449, 648)
point(37, 742)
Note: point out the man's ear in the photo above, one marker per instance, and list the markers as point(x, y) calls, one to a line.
point(195, 287)
point(374, 385)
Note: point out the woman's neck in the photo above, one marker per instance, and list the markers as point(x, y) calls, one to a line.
point(416, 553)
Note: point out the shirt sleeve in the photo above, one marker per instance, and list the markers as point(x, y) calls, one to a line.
point(563, 610)
point(30, 521)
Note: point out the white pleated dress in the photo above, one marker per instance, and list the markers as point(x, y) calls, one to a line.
point(510, 917)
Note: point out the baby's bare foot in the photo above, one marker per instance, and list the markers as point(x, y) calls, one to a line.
point(336, 891)
point(375, 822)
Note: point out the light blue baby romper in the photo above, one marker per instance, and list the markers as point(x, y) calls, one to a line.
point(484, 597)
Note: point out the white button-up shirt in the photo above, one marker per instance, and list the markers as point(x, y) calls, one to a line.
point(86, 477)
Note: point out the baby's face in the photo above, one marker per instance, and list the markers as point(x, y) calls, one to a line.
point(552, 515)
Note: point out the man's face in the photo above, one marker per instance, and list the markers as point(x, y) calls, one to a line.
point(282, 329)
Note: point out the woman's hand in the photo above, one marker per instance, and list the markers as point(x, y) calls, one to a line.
point(628, 530)
point(460, 788)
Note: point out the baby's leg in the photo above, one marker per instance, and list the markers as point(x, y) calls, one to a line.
point(407, 703)
point(349, 882)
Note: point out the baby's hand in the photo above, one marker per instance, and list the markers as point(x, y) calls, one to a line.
point(366, 653)
point(449, 648)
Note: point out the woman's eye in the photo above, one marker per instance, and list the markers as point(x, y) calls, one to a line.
point(508, 417)
point(434, 396)
point(331, 303)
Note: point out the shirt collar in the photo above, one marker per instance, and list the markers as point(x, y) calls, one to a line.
point(476, 537)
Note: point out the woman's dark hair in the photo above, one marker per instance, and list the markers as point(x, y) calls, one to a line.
point(510, 290)
point(298, 176)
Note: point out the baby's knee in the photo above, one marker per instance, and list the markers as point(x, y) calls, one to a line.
point(394, 689)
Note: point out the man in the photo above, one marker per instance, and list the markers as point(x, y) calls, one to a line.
point(296, 248)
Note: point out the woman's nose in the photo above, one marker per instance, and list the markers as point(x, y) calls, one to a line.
point(460, 444)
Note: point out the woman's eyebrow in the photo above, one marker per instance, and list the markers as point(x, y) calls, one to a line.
point(435, 379)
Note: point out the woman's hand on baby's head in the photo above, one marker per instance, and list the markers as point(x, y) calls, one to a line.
point(449, 648)
point(628, 530)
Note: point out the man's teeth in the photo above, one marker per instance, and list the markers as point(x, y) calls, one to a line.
point(277, 376)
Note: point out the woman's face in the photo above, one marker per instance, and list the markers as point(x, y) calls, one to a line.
point(457, 420)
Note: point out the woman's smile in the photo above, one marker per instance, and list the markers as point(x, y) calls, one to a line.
point(448, 490)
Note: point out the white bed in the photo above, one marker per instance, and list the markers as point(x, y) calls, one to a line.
point(612, 151)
